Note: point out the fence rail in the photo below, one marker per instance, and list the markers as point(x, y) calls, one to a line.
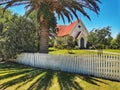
point(104, 66)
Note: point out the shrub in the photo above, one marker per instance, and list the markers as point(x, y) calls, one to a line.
point(19, 36)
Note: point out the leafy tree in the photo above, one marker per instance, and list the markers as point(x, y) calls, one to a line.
point(46, 10)
point(114, 44)
point(108, 41)
point(4, 20)
point(61, 42)
point(118, 40)
point(92, 40)
point(70, 44)
point(1, 28)
point(66, 42)
point(19, 36)
point(100, 38)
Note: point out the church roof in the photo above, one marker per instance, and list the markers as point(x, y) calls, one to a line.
point(64, 30)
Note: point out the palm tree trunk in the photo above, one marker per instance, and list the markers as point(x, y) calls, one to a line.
point(44, 37)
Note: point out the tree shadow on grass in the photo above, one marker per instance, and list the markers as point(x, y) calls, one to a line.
point(12, 66)
point(44, 82)
point(67, 81)
point(43, 79)
point(91, 80)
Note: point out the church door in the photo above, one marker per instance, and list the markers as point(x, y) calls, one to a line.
point(82, 43)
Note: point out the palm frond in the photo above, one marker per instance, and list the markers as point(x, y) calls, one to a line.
point(64, 8)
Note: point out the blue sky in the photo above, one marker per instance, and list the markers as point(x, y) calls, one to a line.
point(109, 15)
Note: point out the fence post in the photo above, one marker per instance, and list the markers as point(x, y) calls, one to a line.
point(107, 66)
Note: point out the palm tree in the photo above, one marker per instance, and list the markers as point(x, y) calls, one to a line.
point(46, 10)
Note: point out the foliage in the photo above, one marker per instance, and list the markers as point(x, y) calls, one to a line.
point(70, 44)
point(61, 42)
point(6, 17)
point(1, 27)
point(66, 42)
point(61, 7)
point(114, 44)
point(19, 35)
point(52, 30)
point(46, 10)
point(51, 43)
point(4, 21)
point(118, 40)
point(100, 38)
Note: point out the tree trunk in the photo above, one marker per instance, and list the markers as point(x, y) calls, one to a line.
point(44, 37)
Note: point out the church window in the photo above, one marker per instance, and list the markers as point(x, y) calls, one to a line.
point(79, 26)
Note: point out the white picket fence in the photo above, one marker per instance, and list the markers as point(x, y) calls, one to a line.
point(104, 66)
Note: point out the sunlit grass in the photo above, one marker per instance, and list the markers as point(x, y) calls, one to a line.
point(65, 51)
point(81, 51)
point(21, 77)
point(112, 50)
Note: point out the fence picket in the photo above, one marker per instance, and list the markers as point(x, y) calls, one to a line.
point(106, 66)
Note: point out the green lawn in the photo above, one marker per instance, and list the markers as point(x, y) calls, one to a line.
point(85, 51)
point(112, 50)
point(20, 77)
point(65, 51)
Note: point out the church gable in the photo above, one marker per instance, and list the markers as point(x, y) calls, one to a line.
point(77, 30)
point(72, 29)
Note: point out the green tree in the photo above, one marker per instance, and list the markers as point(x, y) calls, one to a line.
point(114, 44)
point(108, 41)
point(4, 21)
point(1, 27)
point(46, 10)
point(92, 40)
point(6, 17)
point(19, 36)
point(70, 44)
point(118, 40)
point(100, 38)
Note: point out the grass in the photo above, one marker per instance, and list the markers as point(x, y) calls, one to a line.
point(112, 50)
point(20, 77)
point(85, 51)
point(65, 51)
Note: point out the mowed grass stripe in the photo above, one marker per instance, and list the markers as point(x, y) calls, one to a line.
point(42, 79)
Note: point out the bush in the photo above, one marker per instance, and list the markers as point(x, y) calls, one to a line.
point(66, 42)
point(19, 36)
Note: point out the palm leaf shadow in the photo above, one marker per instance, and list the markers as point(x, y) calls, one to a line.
point(65, 80)
point(15, 73)
point(91, 80)
point(44, 82)
point(27, 77)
